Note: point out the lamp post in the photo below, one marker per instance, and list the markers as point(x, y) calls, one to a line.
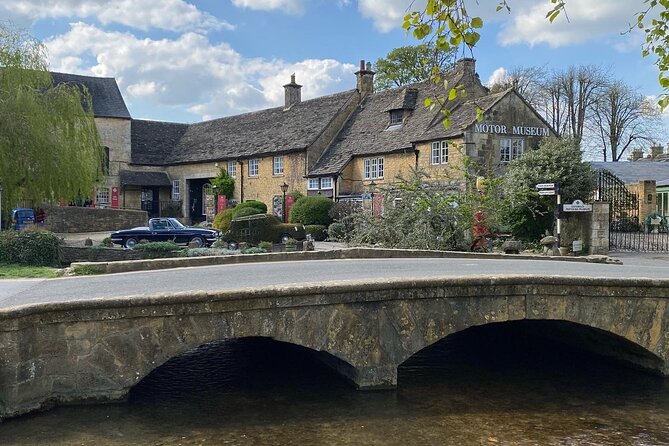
point(284, 189)
point(372, 185)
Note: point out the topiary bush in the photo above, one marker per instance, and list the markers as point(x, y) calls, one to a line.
point(313, 210)
point(244, 212)
point(318, 232)
point(222, 219)
point(337, 232)
point(155, 250)
point(30, 247)
point(251, 204)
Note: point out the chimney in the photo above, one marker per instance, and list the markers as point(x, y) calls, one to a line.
point(365, 78)
point(656, 150)
point(293, 93)
point(637, 154)
point(467, 66)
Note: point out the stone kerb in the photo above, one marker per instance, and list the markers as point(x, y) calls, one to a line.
point(97, 350)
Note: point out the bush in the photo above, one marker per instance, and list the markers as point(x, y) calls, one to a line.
point(251, 204)
point(245, 212)
point(31, 247)
point(337, 231)
point(222, 219)
point(267, 246)
point(311, 211)
point(155, 250)
point(318, 232)
point(253, 250)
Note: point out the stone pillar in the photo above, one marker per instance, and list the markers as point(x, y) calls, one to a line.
point(599, 228)
point(647, 199)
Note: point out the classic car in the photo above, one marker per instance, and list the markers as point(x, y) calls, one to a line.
point(165, 229)
point(258, 228)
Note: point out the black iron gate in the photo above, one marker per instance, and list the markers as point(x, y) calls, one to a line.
point(628, 231)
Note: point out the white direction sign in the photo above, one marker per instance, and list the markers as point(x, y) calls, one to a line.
point(545, 186)
point(547, 192)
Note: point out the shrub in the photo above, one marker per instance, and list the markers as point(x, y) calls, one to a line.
point(337, 231)
point(267, 246)
point(106, 242)
point(154, 250)
point(311, 210)
point(33, 247)
point(251, 204)
point(253, 250)
point(222, 219)
point(318, 232)
point(245, 212)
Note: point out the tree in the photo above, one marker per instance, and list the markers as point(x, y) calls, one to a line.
point(622, 116)
point(223, 184)
point(555, 161)
point(448, 25)
point(49, 145)
point(409, 64)
point(527, 81)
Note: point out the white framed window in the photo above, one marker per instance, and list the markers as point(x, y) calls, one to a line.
point(396, 117)
point(278, 165)
point(102, 197)
point(176, 190)
point(253, 167)
point(326, 183)
point(232, 168)
point(373, 168)
point(313, 183)
point(439, 153)
point(510, 149)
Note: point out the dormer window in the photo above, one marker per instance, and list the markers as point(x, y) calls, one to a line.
point(396, 117)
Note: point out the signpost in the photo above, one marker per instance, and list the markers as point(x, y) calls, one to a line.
point(552, 189)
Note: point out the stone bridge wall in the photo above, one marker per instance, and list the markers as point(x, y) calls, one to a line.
point(97, 350)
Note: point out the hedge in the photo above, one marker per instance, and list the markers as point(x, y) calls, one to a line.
point(312, 210)
point(36, 248)
point(251, 204)
point(318, 232)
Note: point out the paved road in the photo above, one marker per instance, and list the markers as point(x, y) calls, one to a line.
point(27, 291)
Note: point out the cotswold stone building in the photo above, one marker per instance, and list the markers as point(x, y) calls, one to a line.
point(339, 146)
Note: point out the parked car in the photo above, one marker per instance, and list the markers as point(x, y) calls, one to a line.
point(22, 218)
point(258, 228)
point(165, 229)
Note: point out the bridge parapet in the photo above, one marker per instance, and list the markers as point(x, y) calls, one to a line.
point(97, 350)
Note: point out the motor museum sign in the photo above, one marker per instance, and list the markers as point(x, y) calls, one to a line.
point(520, 130)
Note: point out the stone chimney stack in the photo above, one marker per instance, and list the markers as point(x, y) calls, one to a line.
point(293, 93)
point(637, 154)
point(466, 65)
point(656, 150)
point(365, 78)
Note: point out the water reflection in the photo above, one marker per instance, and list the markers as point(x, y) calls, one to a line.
point(502, 385)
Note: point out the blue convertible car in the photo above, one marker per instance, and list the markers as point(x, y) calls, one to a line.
point(165, 229)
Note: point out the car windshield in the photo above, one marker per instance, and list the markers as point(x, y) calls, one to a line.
point(176, 223)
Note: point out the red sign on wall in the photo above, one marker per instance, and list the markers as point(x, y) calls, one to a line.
point(114, 197)
point(222, 203)
point(289, 204)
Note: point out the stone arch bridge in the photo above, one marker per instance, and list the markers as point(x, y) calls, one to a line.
point(99, 349)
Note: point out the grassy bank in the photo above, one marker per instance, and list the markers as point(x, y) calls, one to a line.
point(13, 271)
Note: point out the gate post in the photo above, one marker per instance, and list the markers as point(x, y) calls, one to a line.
point(599, 228)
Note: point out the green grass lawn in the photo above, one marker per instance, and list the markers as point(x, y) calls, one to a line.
point(13, 271)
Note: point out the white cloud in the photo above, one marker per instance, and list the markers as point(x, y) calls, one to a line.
point(499, 76)
point(388, 14)
point(289, 6)
point(173, 15)
point(190, 72)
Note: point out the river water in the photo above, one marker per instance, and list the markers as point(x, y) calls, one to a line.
point(484, 387)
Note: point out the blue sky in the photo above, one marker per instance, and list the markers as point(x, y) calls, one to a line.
point(185, 61)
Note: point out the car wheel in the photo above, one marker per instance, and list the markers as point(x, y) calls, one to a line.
point(197, 242)
point(284, 238)
point(233, 245)
point(130, 242)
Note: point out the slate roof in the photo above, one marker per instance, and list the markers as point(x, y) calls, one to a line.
point(264, 132)
point(107, 99)
point(635, 171)
point(367, 132)
point(144, 178)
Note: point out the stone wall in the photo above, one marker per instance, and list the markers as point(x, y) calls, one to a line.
point(82, 219)
point(591, 228)
point(70, 254)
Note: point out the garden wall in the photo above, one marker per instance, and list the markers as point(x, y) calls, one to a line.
point(83, 219)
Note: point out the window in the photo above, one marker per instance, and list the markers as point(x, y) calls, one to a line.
point(396, 117)
point(326, 183)
point(176, 190)
point(232, 168)
point(373, 168)
point(313, 183)
point(102, 197)
point(278, 165)
point(439, 152)
point(253, 167)
point(510, 149)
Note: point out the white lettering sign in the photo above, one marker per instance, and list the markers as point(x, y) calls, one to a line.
point(515, 130)
point(577, 206)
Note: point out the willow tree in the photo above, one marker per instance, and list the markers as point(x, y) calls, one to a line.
point(49, 146)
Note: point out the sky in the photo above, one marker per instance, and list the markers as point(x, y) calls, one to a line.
point(188, 61)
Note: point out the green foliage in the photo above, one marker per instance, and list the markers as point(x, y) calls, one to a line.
point(222, 219)
point(253, 250)
point(155, 250)
point(106, 242)
point(311, 210)
point(223, 184)
point(409, 64)
point(267, 246)
point(244, 212)
point(556, 161)
point(656, 27)
point(318, 232)
point(204, 252)
point(36, 248)
point(13, 271)
point(251, 204)
point(46, 135)
point(295, 194)
point(84, 270)
point(338, 231)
